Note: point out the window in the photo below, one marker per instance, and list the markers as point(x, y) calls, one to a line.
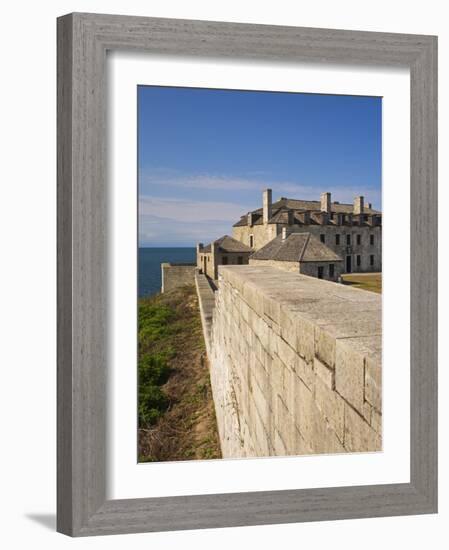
point(251, 241)
point(331, 270)
point(208, 258)
point(320, 272)
point(323, 238)
point(240, 260)
point(337, 239)
point(359, 239)
point(358, 260)
point(371, 260)
point(225, 260)
point(371, 240)
point(348, 239)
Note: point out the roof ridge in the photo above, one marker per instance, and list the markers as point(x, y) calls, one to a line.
point(304, 247)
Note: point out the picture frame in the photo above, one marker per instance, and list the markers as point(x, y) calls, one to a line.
point(83, 40)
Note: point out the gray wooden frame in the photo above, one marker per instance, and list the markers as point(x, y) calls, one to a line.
point(83, 40)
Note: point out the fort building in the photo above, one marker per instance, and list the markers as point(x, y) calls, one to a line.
point(300, 253)
point(223, 251)
point(352, 231)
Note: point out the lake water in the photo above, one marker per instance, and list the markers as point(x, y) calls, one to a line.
point(150, 260)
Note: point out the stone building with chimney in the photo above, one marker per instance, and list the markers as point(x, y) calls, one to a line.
point(222, 251)
point(352, 231)
point(300, 253)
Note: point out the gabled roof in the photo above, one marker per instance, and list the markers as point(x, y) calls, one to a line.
point(280, 209)
point(296, 247)
point(228, 244)
point(343, 208)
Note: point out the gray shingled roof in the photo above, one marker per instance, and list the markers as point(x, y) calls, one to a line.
point(280, 208)
point(228, 244)
point(296, 247)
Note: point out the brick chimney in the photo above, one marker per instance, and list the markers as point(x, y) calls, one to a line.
point(250, 219)
point(267, 205)
point(326, 202)
point(285, 233)
point(358, 205)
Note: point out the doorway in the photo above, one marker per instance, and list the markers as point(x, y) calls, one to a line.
point(348, 264)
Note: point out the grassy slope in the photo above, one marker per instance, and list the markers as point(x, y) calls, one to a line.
point(372, 282)
point(176, 412)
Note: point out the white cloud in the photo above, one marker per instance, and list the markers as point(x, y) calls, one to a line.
point(292, 189)
point(184, 222)
point(154, 231)
point(185, 210)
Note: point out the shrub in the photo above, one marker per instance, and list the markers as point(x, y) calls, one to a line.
point(155, 325)
point(152, 403)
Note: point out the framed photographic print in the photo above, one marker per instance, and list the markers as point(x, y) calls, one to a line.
point(246, 274)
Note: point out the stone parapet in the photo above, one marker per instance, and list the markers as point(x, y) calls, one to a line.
point(176, 275)
point(206, 300)
point(295, 364)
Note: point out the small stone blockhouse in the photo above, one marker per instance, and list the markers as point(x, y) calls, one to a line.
point(223, 251)
point(352, 231)
point(300, 253)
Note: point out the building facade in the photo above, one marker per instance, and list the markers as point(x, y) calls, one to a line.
point(300, 253)
point(223, 251)
point(352, 231)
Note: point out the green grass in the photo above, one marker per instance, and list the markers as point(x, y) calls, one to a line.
point(155, 352)
point(371, 282)
point(176, 410)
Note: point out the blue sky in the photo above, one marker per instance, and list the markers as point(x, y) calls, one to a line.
point(204, 156)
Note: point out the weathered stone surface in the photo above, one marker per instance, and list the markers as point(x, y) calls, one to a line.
point(326, 374)
point(286, 354)
point(285, 426)
point(312, 425)
point(304, 370)
point(325, 346)
point(331, 406)
point(367, 412)
point(291, 358)
point(373, 381)
point(174, 276)
point(305, 339)
point(359, 436)
point(350, 373)
point(376, 421)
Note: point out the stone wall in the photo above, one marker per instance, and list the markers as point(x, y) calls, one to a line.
point(305, 268)
point(265, 233)
point(208, 262)
point(206, 301)
point(176, 275)
point(295, 364)
point(261, 234)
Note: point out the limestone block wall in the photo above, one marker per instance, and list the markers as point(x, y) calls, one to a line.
point(176, 275)
point(206, 301)
point(295, 364)
point(306, 268)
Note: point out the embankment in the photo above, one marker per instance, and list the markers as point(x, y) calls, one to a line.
point(176, 411)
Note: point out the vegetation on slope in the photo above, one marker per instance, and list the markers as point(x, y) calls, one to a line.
point(176, 412)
